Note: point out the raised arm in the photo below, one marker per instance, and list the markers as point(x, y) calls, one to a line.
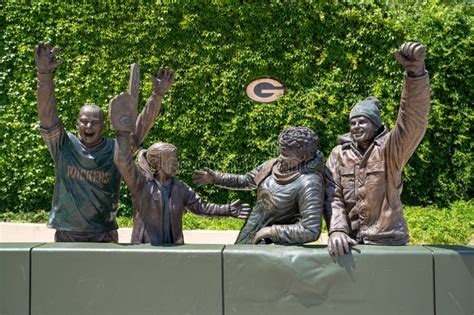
point(414, 107)
point(161, 84)
point(45, 66)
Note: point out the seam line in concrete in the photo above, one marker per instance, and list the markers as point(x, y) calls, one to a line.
point(434, 277)
point(222, 279)
point(434, 282)
point(30, 276)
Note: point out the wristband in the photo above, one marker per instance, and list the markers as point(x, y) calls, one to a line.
point(156, 93)
point(44, 71)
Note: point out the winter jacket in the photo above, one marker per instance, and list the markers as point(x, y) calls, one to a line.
point(365, 189)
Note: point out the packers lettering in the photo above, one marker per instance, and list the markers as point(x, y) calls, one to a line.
point(90, 176)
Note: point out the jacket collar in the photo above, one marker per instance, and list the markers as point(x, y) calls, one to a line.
point(316, 164)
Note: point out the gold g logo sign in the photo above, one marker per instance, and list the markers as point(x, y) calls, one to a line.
point(265, 90)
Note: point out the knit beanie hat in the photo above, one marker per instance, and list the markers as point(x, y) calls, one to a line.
point(368, 108)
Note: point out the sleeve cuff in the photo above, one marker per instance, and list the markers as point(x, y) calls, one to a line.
point(274, 235)
point(338, 230)
point(52, 132)
point(420, 77)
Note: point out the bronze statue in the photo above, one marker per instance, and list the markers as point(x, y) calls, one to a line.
point(290, 191)
point(365, 169)
point(159, 198)
point(86, 191)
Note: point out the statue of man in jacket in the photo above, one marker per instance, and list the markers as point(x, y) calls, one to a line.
point(365, 169)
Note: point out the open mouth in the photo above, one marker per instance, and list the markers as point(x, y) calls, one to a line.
point(89, 134)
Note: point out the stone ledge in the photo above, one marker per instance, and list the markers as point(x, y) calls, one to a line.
point(33, 232)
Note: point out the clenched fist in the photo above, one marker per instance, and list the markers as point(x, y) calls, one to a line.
point(411, 55)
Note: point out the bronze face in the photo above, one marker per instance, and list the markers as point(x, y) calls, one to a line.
point(169, 163)
point(289, 160)
point(362, 131)
point(166, 161)
point(90, 125)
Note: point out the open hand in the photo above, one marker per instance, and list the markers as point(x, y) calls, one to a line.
point(239, 210)
point(163, 81)
point(44, 58)
point(203, 177)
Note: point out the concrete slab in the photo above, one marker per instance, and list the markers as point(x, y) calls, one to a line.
point(454, 279)
point(373, 280)
point(92, 278)
point(15, 278)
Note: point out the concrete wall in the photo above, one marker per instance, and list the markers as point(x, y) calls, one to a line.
point(87, 278)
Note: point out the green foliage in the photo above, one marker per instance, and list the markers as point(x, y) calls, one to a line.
point(40, 216)
point(195, 222)
point(328, 55)
point(427, 225)
point(431, 225)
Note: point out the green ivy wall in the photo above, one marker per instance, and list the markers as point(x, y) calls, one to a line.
point(328, 56)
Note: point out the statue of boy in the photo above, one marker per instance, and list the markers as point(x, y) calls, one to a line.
point(86, 191)
point(159, 198)
point(290, 191)
point(365, 169)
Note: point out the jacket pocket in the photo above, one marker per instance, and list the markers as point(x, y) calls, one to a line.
point(347, 182)
point(375, 167)
point(375, 176)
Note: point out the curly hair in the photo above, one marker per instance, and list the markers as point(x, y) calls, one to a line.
point(301, 140)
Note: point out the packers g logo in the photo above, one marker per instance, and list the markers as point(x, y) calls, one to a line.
point(126, 121)
point(265, 200)
point(265, 90)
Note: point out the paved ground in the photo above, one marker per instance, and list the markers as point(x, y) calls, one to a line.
point(29, 232)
